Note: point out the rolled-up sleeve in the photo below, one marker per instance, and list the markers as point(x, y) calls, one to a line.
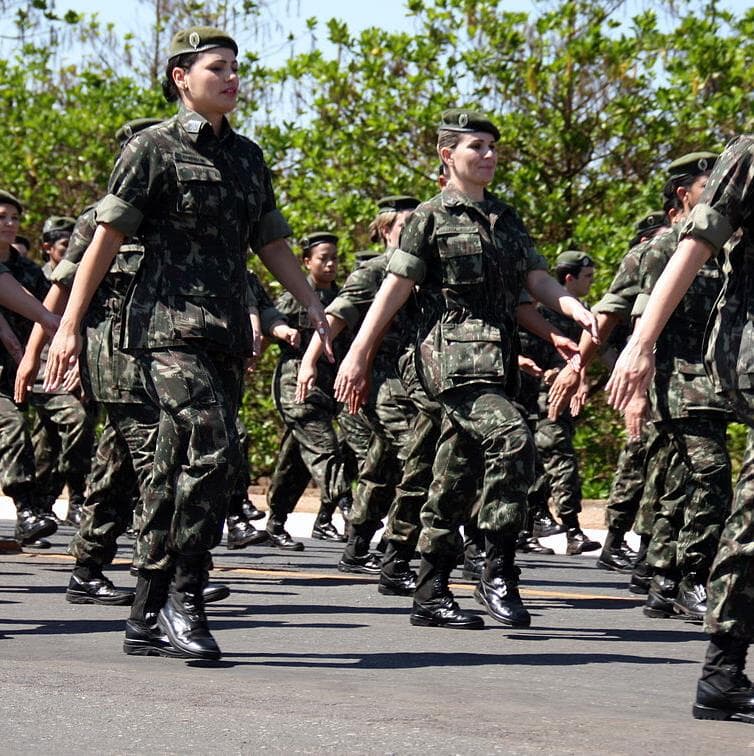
point(271, 227)
point(415, 249)
point(727, 201)
point(119, 214)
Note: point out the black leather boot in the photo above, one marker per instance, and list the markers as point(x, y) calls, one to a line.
point(89, 586)
point(498, 589)
point(691, 599)
point(144, 637)
point(528, 544)
point(543, 524)
point(323, 529)
point(356, 556)
point(183, 618)
point(662, 592)
point(280, 537)
point(31, 525)
point(397, 578)
point(434, 605)
point(578, 542)
point(614, 556)
point(241, 533)
point(723, 691)
point(250, 512)
point(75, 505)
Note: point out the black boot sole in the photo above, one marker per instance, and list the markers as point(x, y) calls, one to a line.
point(334, 538)
point(721, 715)
point(213, 595)
point(144, 649)
point(83, 598)
point(658, 613)
point(614, 568)
point(357, 569)
point(498, 618)
point(388, 590)
point(187, 653)
point(419, 621)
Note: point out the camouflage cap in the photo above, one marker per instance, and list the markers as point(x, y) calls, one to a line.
point(317, 237)
point(397, 203)
point(651, 221)
point(129, 128)
point(467, 121)
point(692, 164)
point(199, 39)
point(58, 223)
point(573, 258)
point(6, 198)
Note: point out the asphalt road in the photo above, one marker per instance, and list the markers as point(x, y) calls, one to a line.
point(316, 661)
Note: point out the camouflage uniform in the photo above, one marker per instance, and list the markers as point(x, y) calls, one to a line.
point(723, 212)
point(118, 481)
point(388, 410)
point(198, 202)
point(309, 435)
point(697, 489)
point(63, 439)
point(470, 261)
point(17, 473)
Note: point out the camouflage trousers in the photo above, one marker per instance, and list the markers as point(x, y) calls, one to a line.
point(554, 444)
point(243, 480)
point(390, 414)
point(730, 589)
point(695, 499)
point(197, 454)
point(403, 518)
point(628, 485)
point(309, 449)
point(118, 482)
point(499, 450)
point(16, 452)
point(354, 435)
point(538, 495)
point(655, 472)
point(63, 441)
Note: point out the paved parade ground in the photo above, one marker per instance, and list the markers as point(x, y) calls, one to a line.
point(317, 661)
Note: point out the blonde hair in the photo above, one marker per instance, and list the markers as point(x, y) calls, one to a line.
point(380, 227)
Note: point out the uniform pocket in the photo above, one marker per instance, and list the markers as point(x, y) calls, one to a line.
point(199, 189)
point(473, 349)
point(461, 254)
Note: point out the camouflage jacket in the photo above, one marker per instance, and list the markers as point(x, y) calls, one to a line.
point(31, 277)
point(198, 202)
point(681, 386)
point(724, 219)
point(107, 373)
point(470, 261)
point(357, 295)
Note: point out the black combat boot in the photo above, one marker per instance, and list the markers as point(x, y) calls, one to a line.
point(544, 525)
point(723, 691)
point(528, 544)
point(434, 605)
point(280, 537)
point(642, 573)
point(250, 512)
point(75, 507)
point(662, 592)
point(397, 578)
point(32, 526)
point(89, 586)
point(183, 618)
point(498, 589)
point(615, 555)
point(323, 529)
point(241, 533)
point(691, 599)
point(356, 556)
point(144, 637)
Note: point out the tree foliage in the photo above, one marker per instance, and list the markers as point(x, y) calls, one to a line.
point(593, 98)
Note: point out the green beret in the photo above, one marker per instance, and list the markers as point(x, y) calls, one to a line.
point(397, 203)
point(651, 221)
point(318, 237)
point(573, 258)
point(692, 164)
point(129, 128)
point(199, 39)
point(58, 223)
point(6, 198)
point(467, 121)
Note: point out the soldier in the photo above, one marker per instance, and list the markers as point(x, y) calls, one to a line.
point(33, 522)
point(722, 220)
point(63, 434)
point(470, 256)
point(309, 435)
point(198, 195)
point(554, 438)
